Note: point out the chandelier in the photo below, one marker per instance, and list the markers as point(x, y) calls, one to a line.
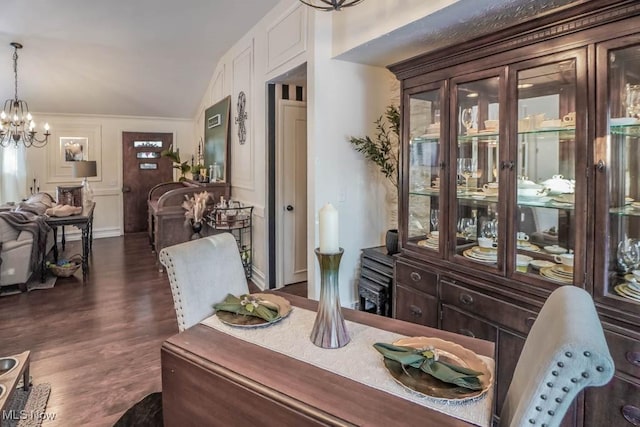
point(330, 4)
point(16, 123)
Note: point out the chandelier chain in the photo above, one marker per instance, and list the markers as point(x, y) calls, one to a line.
point(15, 69)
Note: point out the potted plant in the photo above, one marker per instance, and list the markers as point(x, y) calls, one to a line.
point(183, 167)
point(383, 151)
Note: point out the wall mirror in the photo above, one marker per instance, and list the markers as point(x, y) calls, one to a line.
point(216, 140)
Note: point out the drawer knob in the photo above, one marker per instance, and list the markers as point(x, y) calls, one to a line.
point(415, 276)
point(631, 414)
point(633, 357)
point(466, 299)
point(466, 332)
point(415, 310)
point(529, 321)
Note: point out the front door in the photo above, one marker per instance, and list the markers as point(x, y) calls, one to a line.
point(143, 168)
point(292, 135)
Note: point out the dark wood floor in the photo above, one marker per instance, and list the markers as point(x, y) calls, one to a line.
point(98, 345)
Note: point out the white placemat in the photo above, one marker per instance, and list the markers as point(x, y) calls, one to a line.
point(291, 338)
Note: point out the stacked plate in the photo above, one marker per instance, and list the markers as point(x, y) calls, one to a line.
point(431, 242)
point(484, 255)
point(635, 205)
point(558, 273)
point(526, 246)
point(630, 289)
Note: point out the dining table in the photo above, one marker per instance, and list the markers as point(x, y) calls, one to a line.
point(217, 374)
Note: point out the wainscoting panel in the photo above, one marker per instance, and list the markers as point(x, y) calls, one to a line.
point(217, 89)
point(242, 158)
point(287, 38)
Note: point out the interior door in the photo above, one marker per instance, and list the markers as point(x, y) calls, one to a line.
point(143, 168)
point(292, 125)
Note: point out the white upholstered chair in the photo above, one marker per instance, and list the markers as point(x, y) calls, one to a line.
point(201, 273)
point(565, 352)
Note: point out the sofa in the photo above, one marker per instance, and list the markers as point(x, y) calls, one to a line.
point(25, 239)
point(166, 220)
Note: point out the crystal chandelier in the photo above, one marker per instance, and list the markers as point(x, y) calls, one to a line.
point(16, 123)
point(328, 5)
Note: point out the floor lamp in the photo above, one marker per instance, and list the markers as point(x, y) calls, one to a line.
point(85, 169)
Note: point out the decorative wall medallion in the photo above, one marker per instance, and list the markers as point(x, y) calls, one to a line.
point(242, 116)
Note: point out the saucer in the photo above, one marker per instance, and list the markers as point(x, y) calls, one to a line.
point(555, 249)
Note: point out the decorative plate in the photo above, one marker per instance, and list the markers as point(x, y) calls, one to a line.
point(555, 249)
point(424, 384)
point(541, 263)
point(242, 321)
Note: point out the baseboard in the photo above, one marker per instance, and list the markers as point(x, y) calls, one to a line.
point(258, 279)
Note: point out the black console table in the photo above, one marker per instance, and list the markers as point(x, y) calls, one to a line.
point(376, 281)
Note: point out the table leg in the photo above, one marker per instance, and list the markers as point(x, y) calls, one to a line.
point(63, 239)
point(85, 252)
point(55, 244)
point(25, 377)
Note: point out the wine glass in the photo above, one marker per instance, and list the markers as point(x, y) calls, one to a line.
point(466, 169)
point(467, 119)
point(435, 214)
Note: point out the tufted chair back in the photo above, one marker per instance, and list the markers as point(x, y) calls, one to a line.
point(565, 352)
point(201, 273)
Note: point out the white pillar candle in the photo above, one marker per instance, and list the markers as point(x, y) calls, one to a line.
point(329, 230)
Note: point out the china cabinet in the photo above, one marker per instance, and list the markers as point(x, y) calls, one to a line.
point(520, 164)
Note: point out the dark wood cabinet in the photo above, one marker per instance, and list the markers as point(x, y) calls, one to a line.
point(375, 286)
point(519, 174)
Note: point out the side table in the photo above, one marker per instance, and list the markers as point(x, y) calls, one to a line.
point(376, 280)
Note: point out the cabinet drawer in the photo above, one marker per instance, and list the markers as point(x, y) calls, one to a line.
point(376, 277)
point(374, 265)
point(416, 307)
point(625, 353)
point(500, 312)
point(615, 404)
point(417, 278)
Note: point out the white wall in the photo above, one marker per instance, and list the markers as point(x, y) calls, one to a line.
point(343, 100)
point(105, 133)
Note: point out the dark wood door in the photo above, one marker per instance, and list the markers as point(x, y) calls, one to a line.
point(142, 169)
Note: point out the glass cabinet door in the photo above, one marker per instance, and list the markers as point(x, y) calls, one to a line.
point(475, 175)
point(618, 161)
point(547, 148)
point(424, 136)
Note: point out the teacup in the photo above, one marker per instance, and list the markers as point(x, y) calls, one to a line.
point(487, 242)
point(522, 236)
point(434, 234)
point(522, 263)
point(569, 119)
point(490, 188)
point(566, 259)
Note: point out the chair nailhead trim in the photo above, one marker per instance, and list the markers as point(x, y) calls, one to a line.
point(543, 396)
point(560, 365)
point(587, 353)
point(550, 384)
point(558, 400)
point(574, 380)
point(554, 373)
point(551, 413)
point(599, 369)
point(568, 354)
point(585, 375)
point(544, 425)
point(539, 409)
point(532, 421)
point(565, 389)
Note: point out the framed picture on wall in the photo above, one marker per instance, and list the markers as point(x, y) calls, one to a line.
point(74, 149)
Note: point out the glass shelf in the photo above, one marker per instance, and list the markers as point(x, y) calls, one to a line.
point(626, 130)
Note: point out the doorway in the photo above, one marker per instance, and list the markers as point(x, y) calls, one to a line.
point(142, 169)
point(287, 166)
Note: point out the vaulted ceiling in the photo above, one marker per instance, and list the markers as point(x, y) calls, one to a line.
point(119, 57)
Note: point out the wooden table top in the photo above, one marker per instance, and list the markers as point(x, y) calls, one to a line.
point(338, 399)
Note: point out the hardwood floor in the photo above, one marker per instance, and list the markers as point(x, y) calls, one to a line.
point(98, 345)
